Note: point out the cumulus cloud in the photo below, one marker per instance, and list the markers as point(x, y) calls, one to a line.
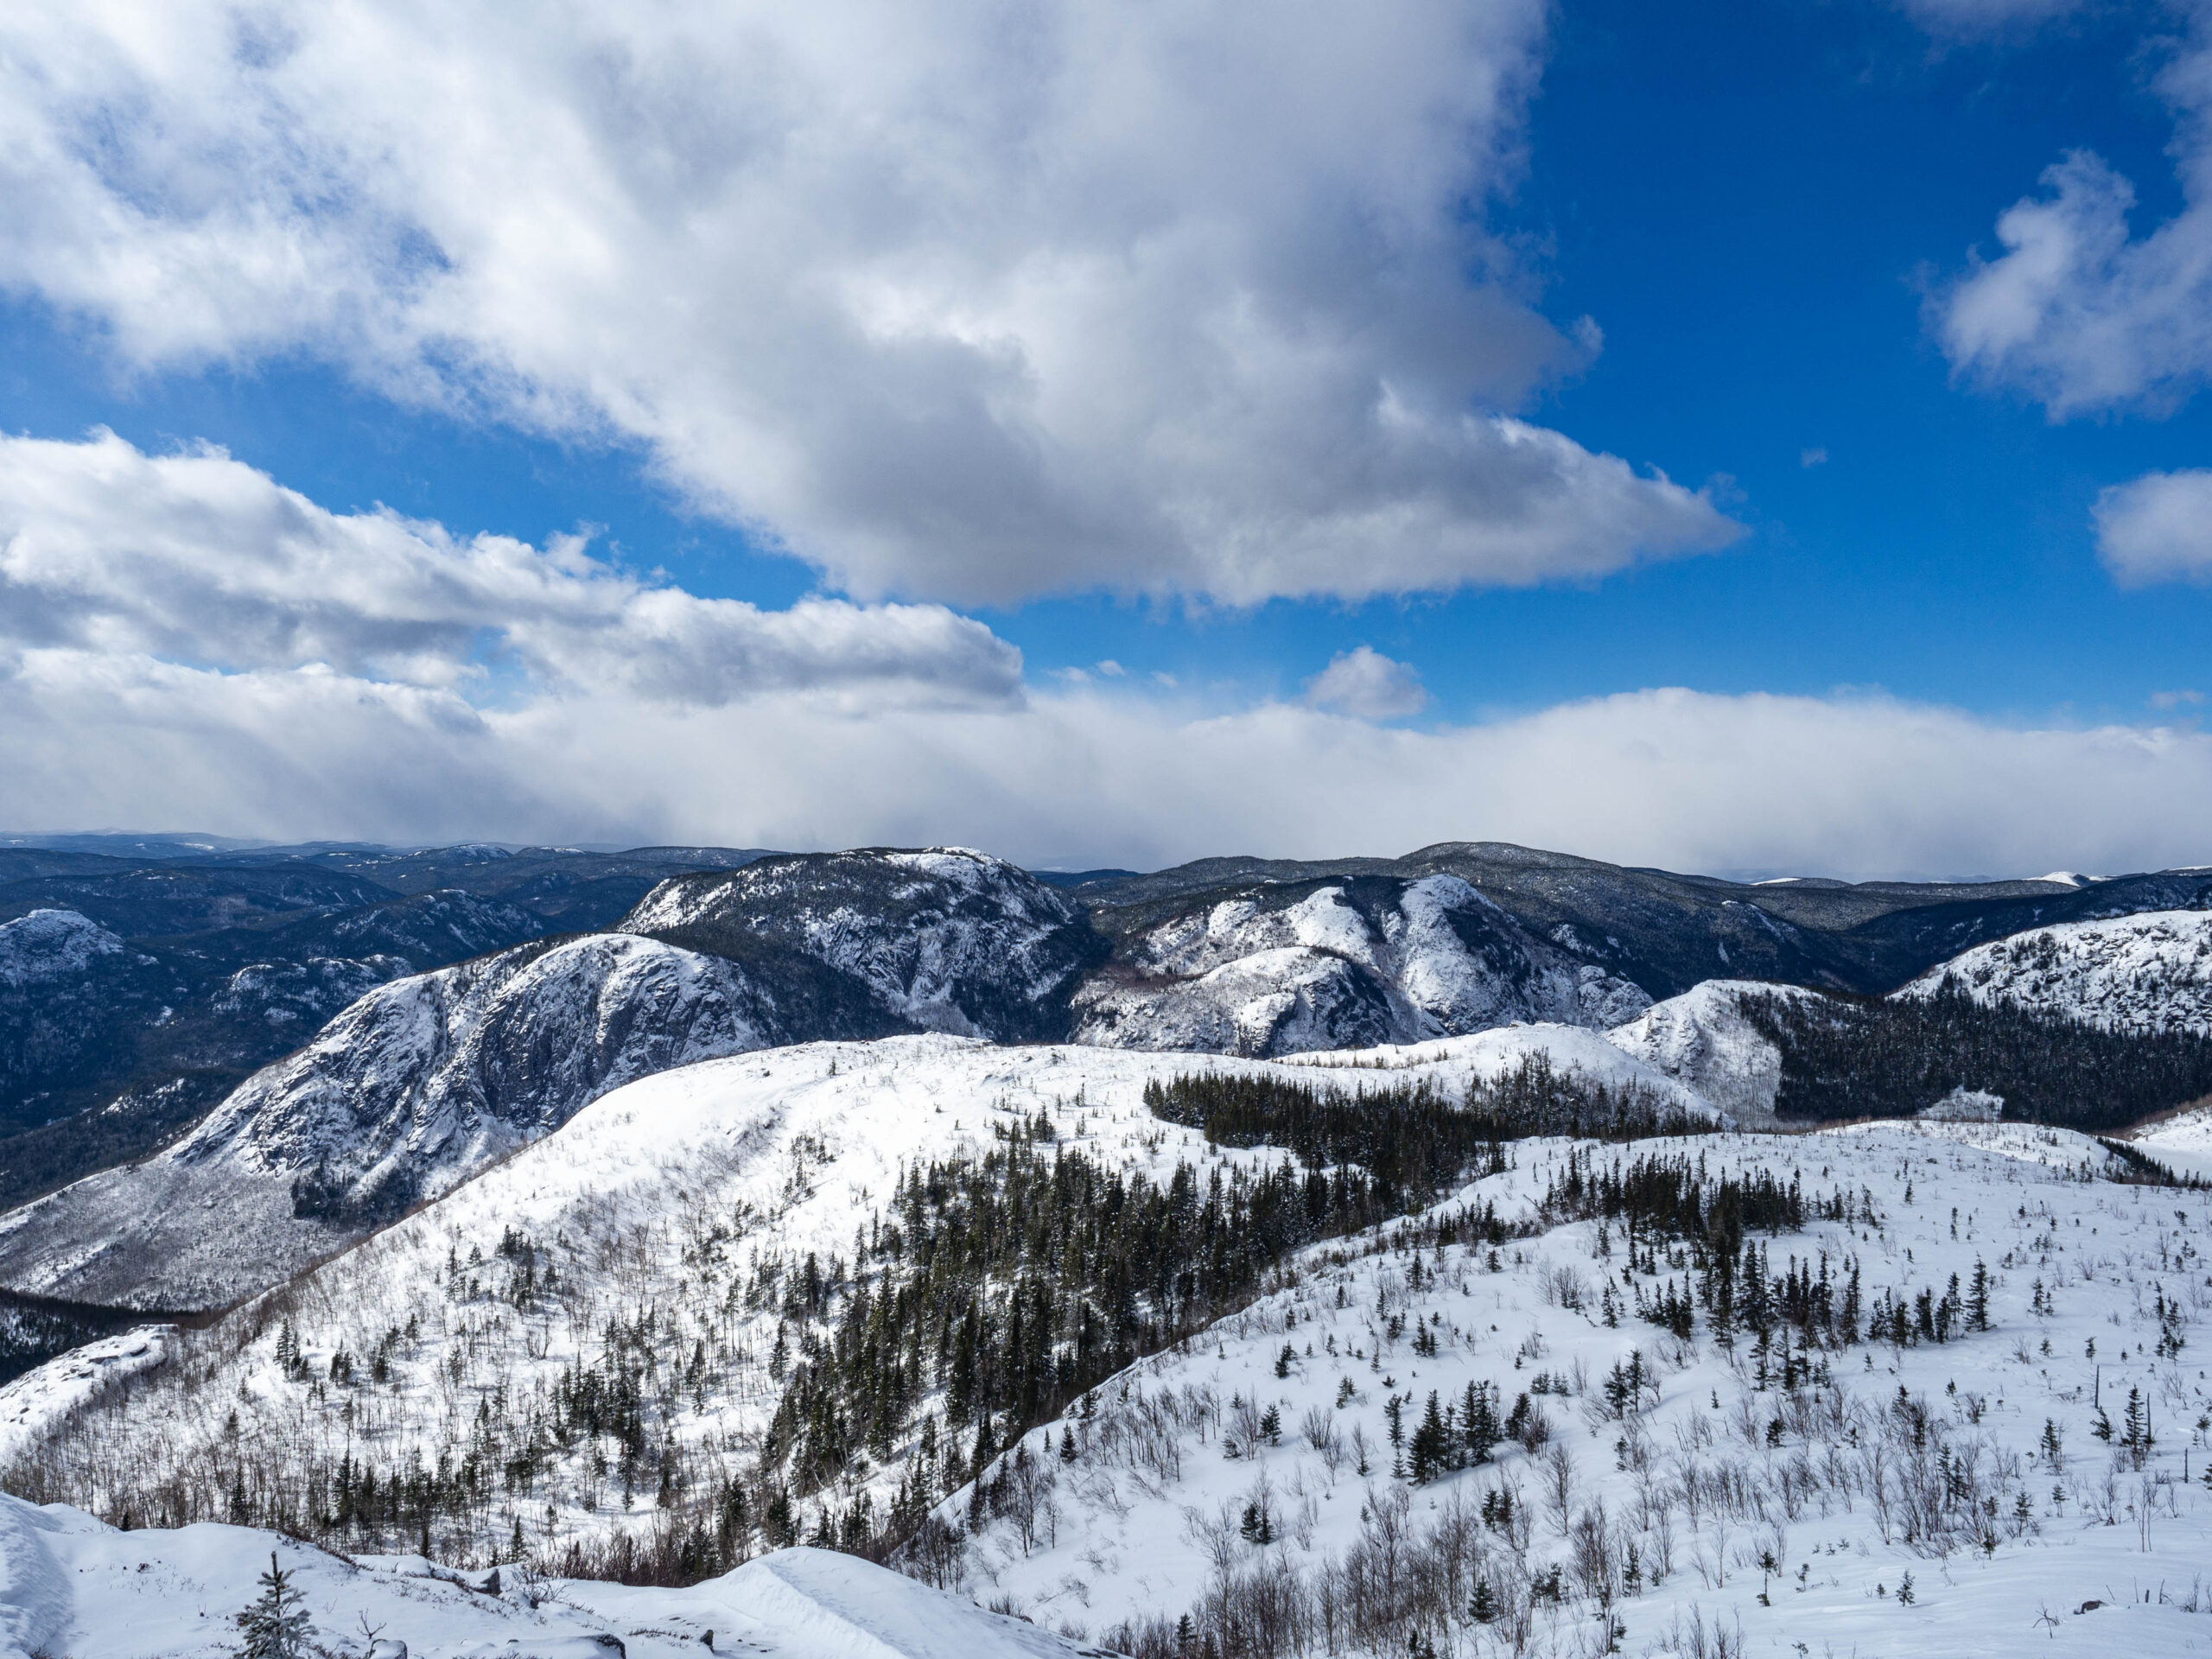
point(2080, 313)
point(2156, 528)
point(200, 559)
point(1368, 685)
point(952, 301)
point(1850, 787)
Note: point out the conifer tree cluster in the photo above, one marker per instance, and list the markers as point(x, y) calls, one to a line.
point(1846, 1057)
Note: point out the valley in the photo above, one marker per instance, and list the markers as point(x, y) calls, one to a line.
point(1521, 1310)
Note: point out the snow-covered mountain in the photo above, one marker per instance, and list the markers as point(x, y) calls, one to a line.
point(70, 1585)
point(639, 1293)
point(65, 985)
point(694, 1195)
point(2151, 972)
point(426, 1079)
point(1664, 1494)
point(415, 1086)
point(1702, 1039)
point(941, 939)
point(45, 946)
point(1282, 967)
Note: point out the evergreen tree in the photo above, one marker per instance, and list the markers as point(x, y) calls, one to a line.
point(1432, 1445)
point(275, 1626)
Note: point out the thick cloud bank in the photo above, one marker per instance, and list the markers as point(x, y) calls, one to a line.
point(199, 558)
point(1855, 787)
point(953, 299)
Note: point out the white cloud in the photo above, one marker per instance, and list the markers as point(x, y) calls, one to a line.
point(2077, 312)
point(952, 301)
point(199, 558)
point(1981, 17)
point(1852, 786)
point(2156, 528)
point(1367, 685)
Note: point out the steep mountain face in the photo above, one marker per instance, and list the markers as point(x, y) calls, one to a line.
point(416, 1085)
point(233, 956)
point(938, 939)
point(2136, 972)
point(426, 1079)
point(1277, 967)
point(1702, 1039)
point(1666, 932)
point(109, 1044)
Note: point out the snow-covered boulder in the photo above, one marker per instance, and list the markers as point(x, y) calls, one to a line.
point(2150, 972)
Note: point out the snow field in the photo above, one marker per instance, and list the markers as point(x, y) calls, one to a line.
point(1149, 1516)
point(70, 1585)
point(666, 1196)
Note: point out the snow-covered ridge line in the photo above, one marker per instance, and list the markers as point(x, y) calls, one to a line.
point(943, 938)
point(411, 1090)
point(2151, 972)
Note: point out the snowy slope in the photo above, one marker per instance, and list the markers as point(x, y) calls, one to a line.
point(2181, 1140)
point(1453, 1064)
point(943, 938)
point(31, 1403)
point(50, 944)
point(413, 1088)
point(1141, 1509)
point(1702, 1040)
point(660, 1195)
point(2151, 972)
point(1351, 964)
point(70, 1585)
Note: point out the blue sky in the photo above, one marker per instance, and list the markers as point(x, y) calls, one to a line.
point(1767, 209)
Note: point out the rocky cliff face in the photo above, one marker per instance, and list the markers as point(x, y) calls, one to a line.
point(938, 939)
point(414, 1088)
point(1278, 967)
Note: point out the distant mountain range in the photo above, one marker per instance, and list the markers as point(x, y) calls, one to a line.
point(326, 1036)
